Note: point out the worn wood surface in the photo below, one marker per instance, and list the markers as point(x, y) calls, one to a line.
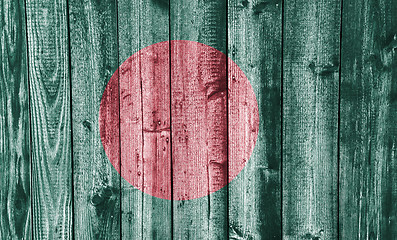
point(205, 22)
point(310, 119)
point(128, 18)
point(49, 78)
point(254, 43)
point(156, 114)
point(15, 204)
point(94, 57)
point(368, 133)
point(143, 23)
point(324, 165)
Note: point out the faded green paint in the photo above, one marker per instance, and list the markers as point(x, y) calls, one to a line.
point(142, 23)
point(94, 58)
point(310, 119)
point(104, 34)
point(205, 22)
point(48, 55)
point(255, 45)
point(368, 116)
point(14, 124)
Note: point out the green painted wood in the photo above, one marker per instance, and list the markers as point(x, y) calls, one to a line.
point(368, 170)
point(94, 58)
point(50, 119)
point(368, 120)
point(156, 133)
point(205, 22)
point(131, 197)
point(310, 119)
point(14, 124)
point(142, 23)
point(254, 43)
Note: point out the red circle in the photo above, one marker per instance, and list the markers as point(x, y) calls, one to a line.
point(200, 127)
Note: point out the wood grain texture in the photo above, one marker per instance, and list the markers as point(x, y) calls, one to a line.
point(255, 45)
point(205, 22)
point(157, 121)
point(131, 198)
point(94, 57)
point(157, 142)
point(368, 120)
point(15, 204)
point(143, 23)
point(310, 119)
point(50, 119)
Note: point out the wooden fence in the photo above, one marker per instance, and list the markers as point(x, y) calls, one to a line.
point(325, 77)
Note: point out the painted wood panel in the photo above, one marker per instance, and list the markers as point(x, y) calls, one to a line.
point(310, 119)
point(94, 57)
point(254, 43)
point(143, 23)
point(289, 50)
point(49, 77)
point(156, 103)
point(15, 218)
point(131, 198)
point(205, 22)
point(368, 133)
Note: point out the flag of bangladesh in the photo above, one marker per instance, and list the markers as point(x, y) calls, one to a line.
point(198, 119)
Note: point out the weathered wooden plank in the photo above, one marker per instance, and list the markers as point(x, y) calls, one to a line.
point(204, 22)
point(14, 124)
point(199, 138)
point(50, 119)
point(143, 23)
point(310, 119)
point(368, 120)
point(131, 198)
point(254, 43)
point(131, 146)
point(155, 75)
point(145, 134)
point(94, 57)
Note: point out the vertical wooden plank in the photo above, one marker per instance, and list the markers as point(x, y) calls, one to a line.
point(94, 57)
point(155, 77)
point(255, 45)
point(131, 147)
point(50, 119)
point(131, 198)
point(143, 23)
point(368, 120)
point(156, 142)
point(14, 124)
point(204, 22)
point(310, 119)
